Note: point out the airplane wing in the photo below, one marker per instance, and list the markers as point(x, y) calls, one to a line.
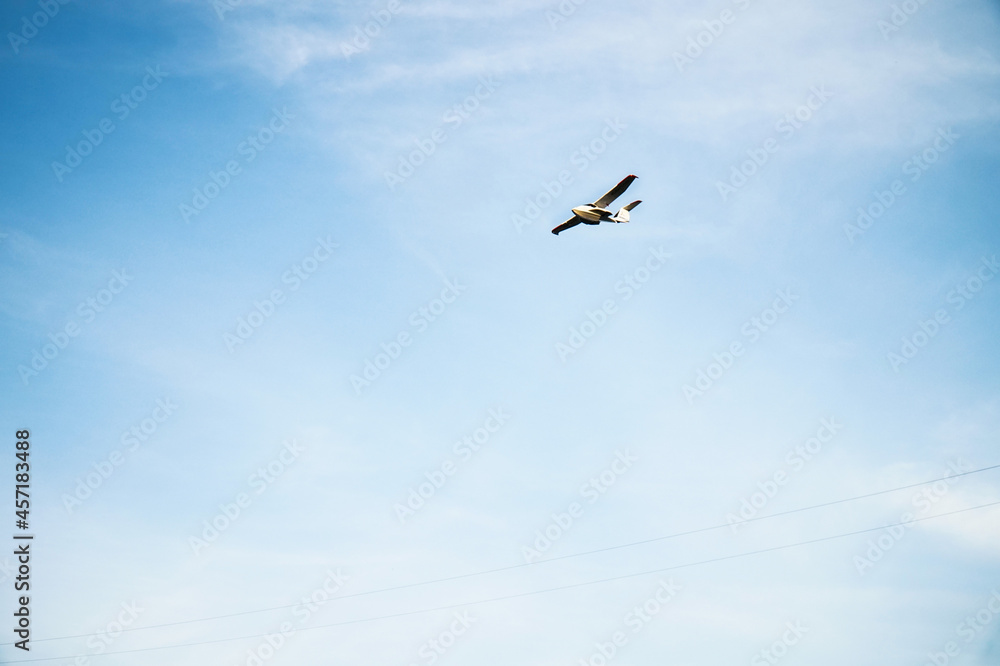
point(568, 224)
point(615, 192)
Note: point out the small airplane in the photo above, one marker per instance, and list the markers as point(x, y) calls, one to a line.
point(598, 212)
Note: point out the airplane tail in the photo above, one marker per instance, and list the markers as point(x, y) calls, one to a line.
point(623, 215)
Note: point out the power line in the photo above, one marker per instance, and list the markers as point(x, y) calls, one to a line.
point(527, 594)
point(546, 561)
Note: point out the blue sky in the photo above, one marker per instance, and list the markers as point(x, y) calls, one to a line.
point(288, 128)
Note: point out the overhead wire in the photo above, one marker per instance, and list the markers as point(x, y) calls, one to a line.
point(520, 565)
point(526, 594)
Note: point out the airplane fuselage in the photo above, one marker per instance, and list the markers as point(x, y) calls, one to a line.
point(591, 214)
